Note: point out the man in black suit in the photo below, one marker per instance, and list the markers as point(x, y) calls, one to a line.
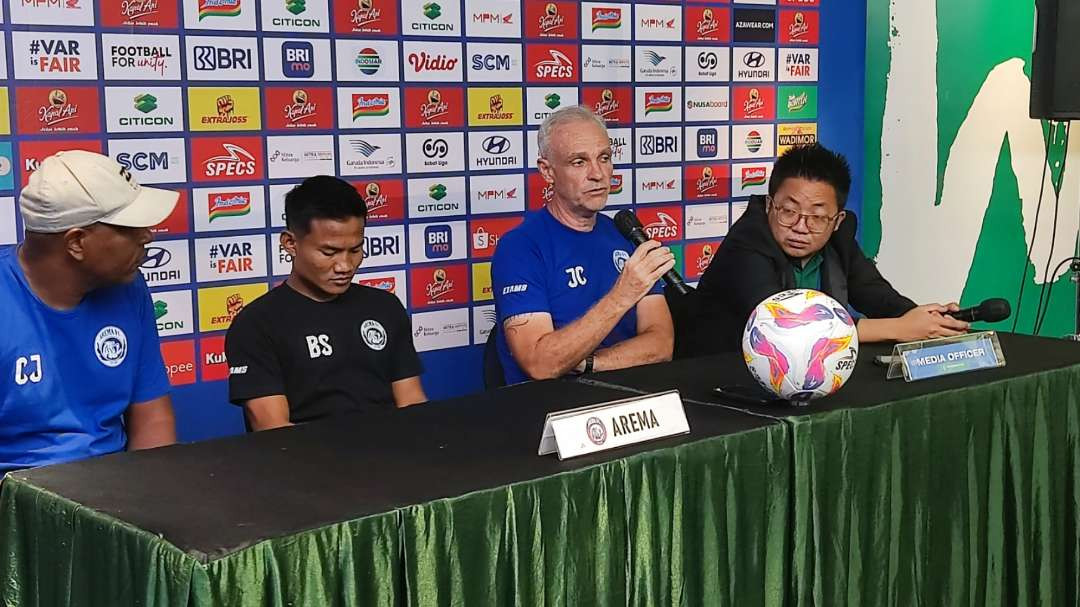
point(799, 236)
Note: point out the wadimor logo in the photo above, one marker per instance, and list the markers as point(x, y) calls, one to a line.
point(141, 57)
point(41, 55)
point(222, 58)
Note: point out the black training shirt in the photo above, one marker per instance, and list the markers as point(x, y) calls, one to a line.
point(326, 358)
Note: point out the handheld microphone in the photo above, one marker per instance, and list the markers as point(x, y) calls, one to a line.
point(991, 310)
point(630, 227)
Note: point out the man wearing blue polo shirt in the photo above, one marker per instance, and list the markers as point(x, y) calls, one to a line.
point(571, 293)
point(81, 367)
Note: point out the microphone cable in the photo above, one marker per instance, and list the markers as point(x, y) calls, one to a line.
point(1035, 228)
point(1047, 286)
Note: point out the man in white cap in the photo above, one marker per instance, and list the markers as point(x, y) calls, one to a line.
point(81, 372)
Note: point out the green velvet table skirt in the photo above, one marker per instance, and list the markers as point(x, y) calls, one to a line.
point(703, 523)
point(966, 497)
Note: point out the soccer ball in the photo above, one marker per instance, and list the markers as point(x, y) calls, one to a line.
point(800, 344)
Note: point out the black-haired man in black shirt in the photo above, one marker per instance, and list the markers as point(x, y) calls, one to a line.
point(319, 345)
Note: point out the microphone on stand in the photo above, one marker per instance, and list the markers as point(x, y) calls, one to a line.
point(630, 227)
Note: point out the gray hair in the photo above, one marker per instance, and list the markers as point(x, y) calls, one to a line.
point(572, 113)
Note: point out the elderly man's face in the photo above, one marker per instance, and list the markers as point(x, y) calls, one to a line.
point(578, 166)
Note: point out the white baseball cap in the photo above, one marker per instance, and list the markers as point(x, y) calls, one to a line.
point(76, 188)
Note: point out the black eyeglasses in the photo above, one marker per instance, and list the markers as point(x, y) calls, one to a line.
point(788, 217)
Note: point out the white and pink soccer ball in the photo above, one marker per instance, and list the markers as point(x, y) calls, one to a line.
point(800, 344)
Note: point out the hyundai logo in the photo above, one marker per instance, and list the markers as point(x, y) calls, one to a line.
point(754, 59)
point(155, 258)
point(496, 144)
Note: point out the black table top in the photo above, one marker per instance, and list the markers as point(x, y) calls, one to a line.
point(695, 378)
point(216, 497)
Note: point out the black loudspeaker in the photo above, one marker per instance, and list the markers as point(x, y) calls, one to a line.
point(1055, 60)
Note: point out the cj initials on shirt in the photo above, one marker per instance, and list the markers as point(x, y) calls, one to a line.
point(319, 345)
point(28, 370)
point(577, 277)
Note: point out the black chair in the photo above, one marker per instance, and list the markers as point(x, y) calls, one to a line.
point(493, 371)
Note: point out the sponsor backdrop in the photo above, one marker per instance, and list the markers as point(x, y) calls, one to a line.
point(429, 107)
point(961, 167)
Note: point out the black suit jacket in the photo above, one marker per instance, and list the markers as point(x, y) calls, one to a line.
point(750, 266)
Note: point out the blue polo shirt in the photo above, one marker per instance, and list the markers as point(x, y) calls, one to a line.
point(544, 266)
point(67, 377)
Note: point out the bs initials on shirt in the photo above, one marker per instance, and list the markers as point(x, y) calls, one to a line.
point(319, 345)
point(22, 364)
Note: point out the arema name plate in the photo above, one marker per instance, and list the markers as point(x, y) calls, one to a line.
point(614, 424)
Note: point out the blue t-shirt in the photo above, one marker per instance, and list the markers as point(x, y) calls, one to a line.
point(544, 266)
point(67, 377)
